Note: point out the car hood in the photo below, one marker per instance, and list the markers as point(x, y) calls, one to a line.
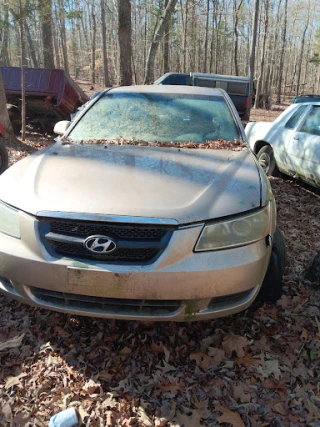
point(186, 185)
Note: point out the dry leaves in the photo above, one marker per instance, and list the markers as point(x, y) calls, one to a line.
point(257, 368)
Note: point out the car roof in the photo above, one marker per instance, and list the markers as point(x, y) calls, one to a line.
point(169, 89)
point(308, 95)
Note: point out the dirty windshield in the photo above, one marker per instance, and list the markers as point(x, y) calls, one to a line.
point(158, 118)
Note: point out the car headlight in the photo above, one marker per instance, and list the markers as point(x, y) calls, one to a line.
point(235, 232)
point(9, 221)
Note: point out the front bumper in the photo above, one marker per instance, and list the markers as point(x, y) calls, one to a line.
point(179, 286)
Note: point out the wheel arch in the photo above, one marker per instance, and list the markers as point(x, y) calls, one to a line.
point(259, 144)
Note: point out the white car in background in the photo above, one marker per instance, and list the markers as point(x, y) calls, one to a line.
point(290, 144)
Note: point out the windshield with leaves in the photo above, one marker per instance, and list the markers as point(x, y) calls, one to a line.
point(157, 118)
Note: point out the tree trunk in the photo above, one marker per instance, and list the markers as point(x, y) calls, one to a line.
point(4, 116)
point(106, 79)
point(63, 36)
point(149, 75)
point(282, 51)
point(23, 83)
point(259, 98)
point(4, 54)
point(301, 54)
point(125, 46)
point(93, 46)
point(213, 48)
point(166, 44)
point(253, 48)
point(45, 8)
point(205, 59)
point(56, 44)
point(236, 35)
point(32, 49)
point(184, 34)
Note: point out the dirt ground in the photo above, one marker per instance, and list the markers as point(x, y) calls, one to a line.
point(258, 368)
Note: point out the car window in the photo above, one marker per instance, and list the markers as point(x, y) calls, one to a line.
point(237, 88)
point(293, 121)
point(153, 117)
point(222, 85)
point(311, 124)
point(206, 82)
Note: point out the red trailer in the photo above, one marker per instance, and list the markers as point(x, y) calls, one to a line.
point(51, 95)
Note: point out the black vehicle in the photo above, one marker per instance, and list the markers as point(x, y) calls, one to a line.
point(238, 88)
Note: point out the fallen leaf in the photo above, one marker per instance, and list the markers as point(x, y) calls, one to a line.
point(229, 416)
point(91, 386)
point(192, 420)
point(83, 413)
point(248, 360)
point(239, 393)
point(6, 412)
point(217, 354)
point(270, 367)
point(202, 360)
point(176, 385)
point(143, 418)
point(235, 343)
point(109, 402)
point(12, 343)
point(12, 381)
point(278, 407)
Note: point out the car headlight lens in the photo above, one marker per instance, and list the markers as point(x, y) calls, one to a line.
point(235, 232)
point(9, 221)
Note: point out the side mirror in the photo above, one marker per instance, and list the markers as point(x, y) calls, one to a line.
point(61, 127)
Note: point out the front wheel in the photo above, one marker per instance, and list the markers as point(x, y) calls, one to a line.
point(267, 161)
point(271, 289)
point(3, 158)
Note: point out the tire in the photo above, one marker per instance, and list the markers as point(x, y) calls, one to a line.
point(271, 289)
point(3, 158)
point(267, 161)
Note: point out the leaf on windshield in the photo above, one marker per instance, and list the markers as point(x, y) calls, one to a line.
point(218, 144)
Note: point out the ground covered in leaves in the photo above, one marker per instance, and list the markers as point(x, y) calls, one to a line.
point(257, 368)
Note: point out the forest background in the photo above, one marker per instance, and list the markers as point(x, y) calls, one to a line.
point(95, 39)
point(258, 368)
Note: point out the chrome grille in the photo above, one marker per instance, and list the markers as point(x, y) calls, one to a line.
point(136, 243)
point(121, 231)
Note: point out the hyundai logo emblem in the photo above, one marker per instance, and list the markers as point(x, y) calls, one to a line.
point(99, 244)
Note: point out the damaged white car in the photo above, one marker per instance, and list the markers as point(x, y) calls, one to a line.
point(150, 206)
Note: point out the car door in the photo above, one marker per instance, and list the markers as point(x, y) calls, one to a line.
point(282, 140)
point(303, 149)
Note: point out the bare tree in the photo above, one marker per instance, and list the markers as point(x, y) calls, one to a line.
point(93, 45)
point(32, 49)
point(236, 9)
point(4, 52)
point(124, 37)
point(149, 75)
point(4, 116)
point(282, 51)
point(259, 95)
point(166, 44)
point(106, 79)
point(206, 38)
point(23, 65)
point(45, 7)
point(63, 35)
point(253, 47)
point(302, 49)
